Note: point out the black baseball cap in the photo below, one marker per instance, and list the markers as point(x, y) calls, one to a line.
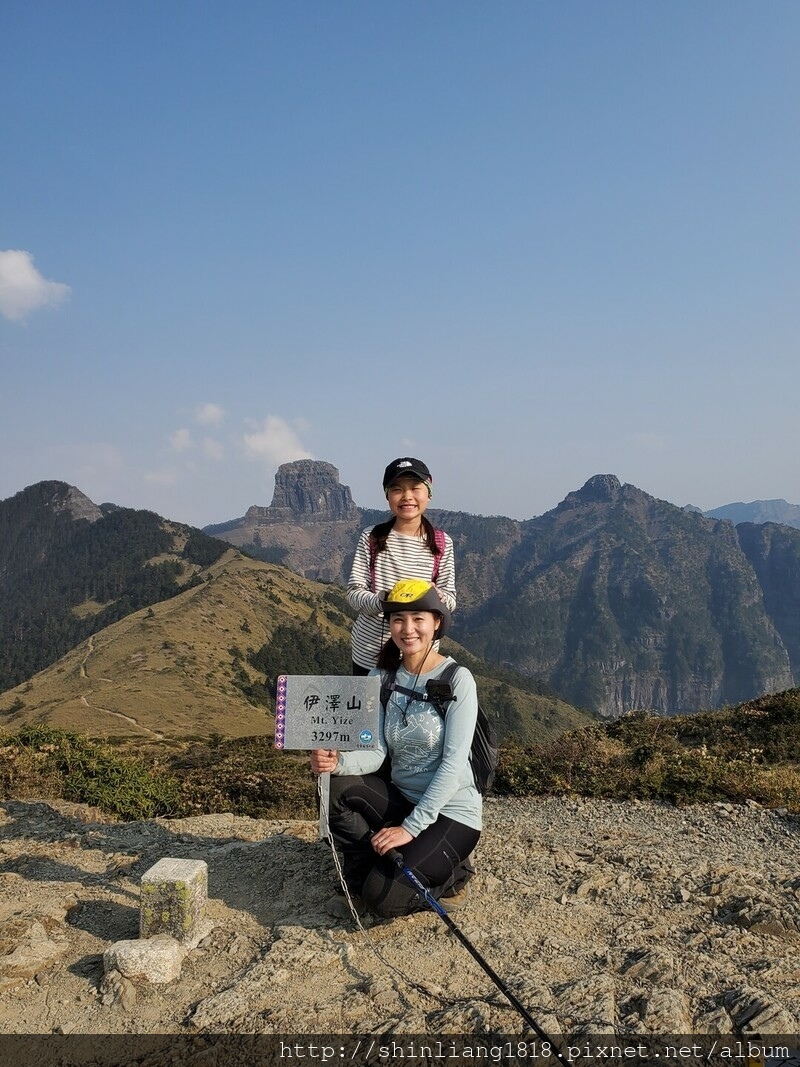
point(406, 465)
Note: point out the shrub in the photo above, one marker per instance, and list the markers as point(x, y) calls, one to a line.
point(54, 762)
point(645, 756)
point(247, 776)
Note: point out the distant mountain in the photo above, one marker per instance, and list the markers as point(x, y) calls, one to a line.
point(615, 599)
point(621, 601)
point(310, 527)
point(759, 511)
point(69, 568)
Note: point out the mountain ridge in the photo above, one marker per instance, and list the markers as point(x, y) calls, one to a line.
point(205, 661)
point(758, 511)
point(69, 568)
point(617, 599)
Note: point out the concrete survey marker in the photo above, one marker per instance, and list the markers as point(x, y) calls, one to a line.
point(174, 894)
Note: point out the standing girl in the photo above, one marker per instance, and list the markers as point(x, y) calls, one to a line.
point(405, 546)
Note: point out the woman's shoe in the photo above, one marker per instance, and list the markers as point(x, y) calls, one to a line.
point(455, 900)
point(340, 909)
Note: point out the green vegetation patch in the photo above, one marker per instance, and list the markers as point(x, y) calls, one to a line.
point(750, 752)
point(246, 776)
point(39, 760)
point(301, 648)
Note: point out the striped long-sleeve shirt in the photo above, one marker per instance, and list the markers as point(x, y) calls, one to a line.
point(404, 557)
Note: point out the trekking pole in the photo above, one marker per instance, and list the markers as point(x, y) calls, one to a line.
point(424, 893)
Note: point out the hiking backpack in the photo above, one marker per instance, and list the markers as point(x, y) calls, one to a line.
point(438, 536)
point(484, 750)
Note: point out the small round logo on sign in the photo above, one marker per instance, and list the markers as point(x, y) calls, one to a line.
point(365, 737)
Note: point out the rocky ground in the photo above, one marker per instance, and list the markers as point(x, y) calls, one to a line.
point(602, 918)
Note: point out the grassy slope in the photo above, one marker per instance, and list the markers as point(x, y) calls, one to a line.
point(170, 672)
point(167, 671)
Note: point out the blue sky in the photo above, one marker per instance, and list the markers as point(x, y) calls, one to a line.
point(525, 242)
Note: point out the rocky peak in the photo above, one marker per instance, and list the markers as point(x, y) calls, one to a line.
point(57, 497)
point(599, 489)
point(306, 491)
point(79, 505)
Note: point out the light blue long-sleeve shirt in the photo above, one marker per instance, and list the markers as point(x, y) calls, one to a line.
point(429, 755)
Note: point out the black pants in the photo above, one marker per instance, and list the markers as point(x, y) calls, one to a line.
point(362, 804)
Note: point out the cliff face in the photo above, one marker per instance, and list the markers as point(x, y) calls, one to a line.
point(306, 491)
point(622, 601)
point(615, 599)
point(78, 505)
point(774, 554)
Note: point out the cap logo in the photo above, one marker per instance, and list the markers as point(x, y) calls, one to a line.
point(407, 590)
point(405, 463)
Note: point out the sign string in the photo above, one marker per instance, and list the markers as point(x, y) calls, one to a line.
point(323, 802)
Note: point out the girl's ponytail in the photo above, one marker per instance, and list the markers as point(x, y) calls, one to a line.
point(379, 533)
point(431, 542)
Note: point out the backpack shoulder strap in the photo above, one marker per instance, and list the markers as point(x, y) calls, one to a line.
point(438, 537)
point(373, 555)
point(388, 686)
point(447, 675)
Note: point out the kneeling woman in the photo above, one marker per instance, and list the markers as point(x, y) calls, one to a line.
point(429, 809)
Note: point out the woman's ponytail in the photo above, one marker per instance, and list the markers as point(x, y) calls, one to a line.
point(389, 657)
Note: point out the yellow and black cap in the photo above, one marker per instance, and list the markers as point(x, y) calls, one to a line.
point(414, 594)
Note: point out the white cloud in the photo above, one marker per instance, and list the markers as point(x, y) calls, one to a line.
point(276, 442)
point(209, 414)
point(22, 287)
point(181, 439)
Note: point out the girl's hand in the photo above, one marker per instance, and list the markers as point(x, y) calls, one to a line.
point(390, 837)
point(324, 759)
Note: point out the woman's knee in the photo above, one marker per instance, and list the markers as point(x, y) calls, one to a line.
point(348, 794)
point(338, 784)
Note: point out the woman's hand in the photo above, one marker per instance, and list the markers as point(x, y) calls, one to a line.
point(390, 837)
point(324, 759)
